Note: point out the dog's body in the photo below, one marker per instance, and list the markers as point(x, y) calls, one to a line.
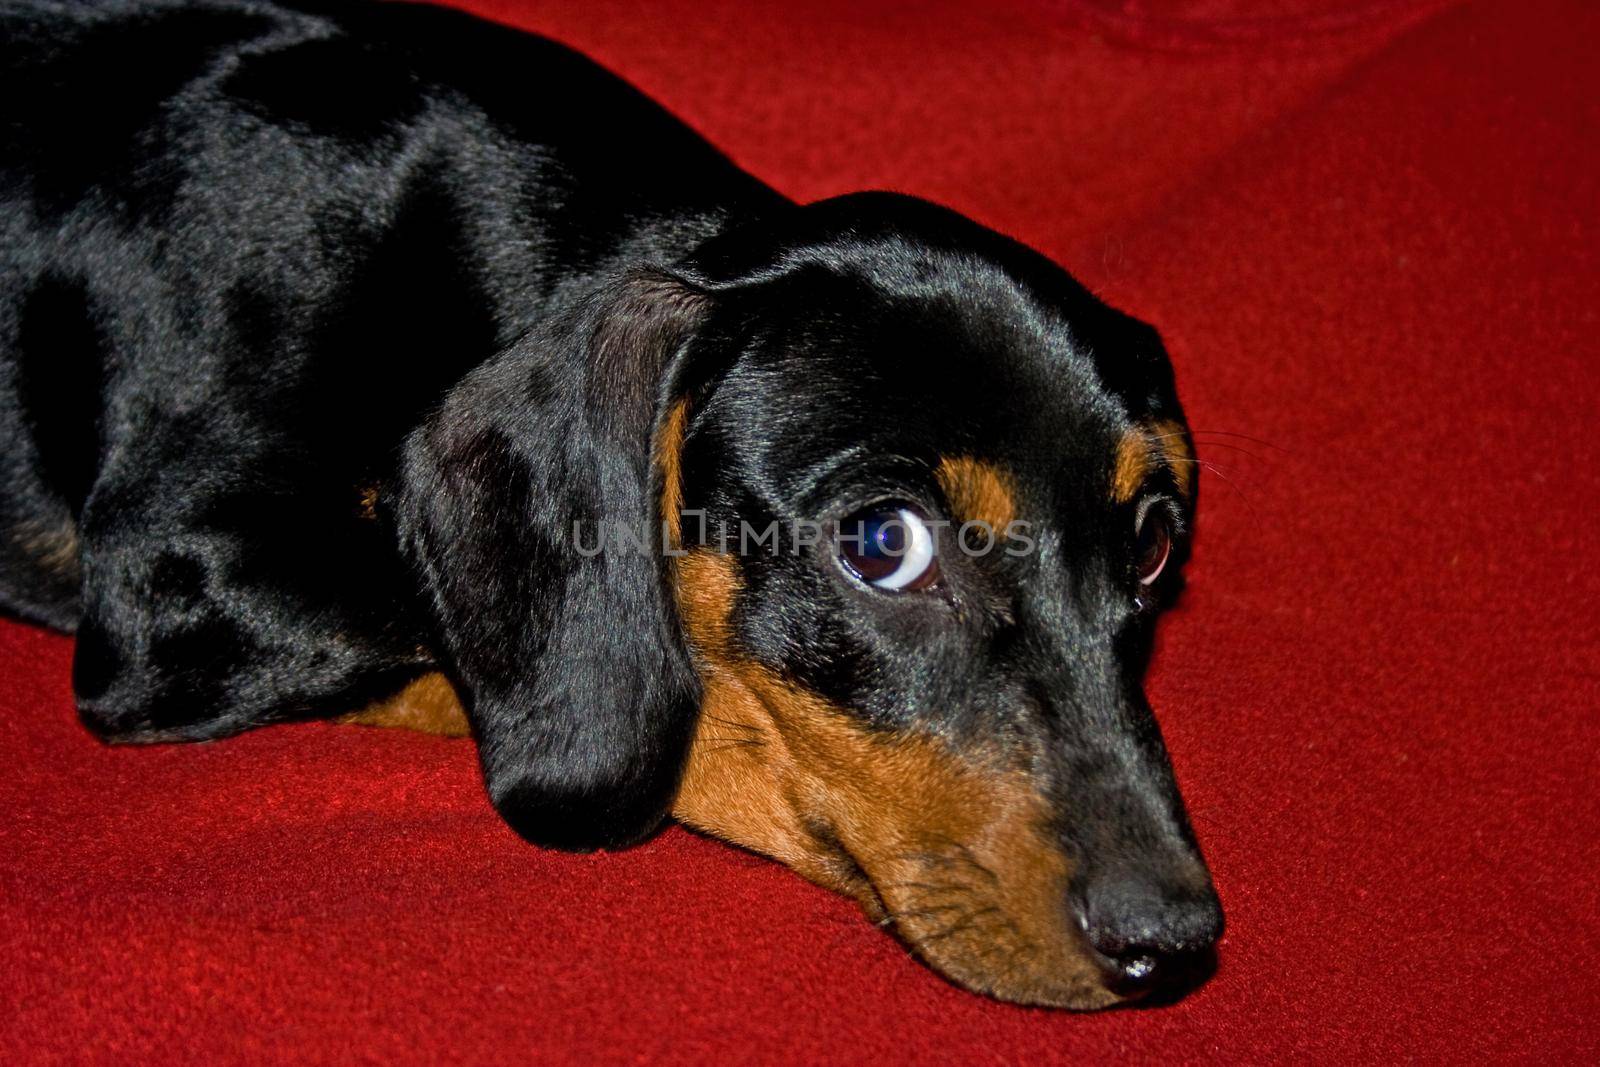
point(233, 200)
point(321, 335)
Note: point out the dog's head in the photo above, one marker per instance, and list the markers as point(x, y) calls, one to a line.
point(843, 540)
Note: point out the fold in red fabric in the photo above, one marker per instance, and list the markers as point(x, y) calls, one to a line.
point(1367, 231)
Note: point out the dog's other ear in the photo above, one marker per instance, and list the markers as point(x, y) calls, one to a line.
point(577, 679)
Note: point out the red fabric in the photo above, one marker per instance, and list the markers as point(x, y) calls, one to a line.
point(1368, 234)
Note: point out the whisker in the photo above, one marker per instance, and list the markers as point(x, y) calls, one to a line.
point(957, 851)
point(1206, 463)
point(1257, 456)
point(1218, 471)
point(1243, 496)
point(1242, 437)
point(848, 927)
point(1220, 444)
point(940, 886)
point(942, 898)
point(1213, 825)
point(732, 722)
point(959, 926)
point(967, 925)
point(925, 913)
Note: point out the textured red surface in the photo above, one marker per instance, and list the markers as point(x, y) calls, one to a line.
point(1368, 234)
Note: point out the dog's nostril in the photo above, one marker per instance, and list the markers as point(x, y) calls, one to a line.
point(1154, 946)
point(1159, 974)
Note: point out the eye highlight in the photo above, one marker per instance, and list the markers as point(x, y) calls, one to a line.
point(1152, 543)
point(889, 547)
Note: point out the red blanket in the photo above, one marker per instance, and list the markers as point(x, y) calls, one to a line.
point(1368, 232)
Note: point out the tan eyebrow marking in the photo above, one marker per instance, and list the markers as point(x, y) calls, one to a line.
point(1143, 448)
point(1173, 442)
point(1132, 466)
point(978, 491)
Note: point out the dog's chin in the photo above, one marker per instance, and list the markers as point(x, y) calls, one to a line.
point(1031, 987)
point(990, 952)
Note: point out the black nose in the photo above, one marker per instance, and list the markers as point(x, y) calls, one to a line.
point(1153, 942)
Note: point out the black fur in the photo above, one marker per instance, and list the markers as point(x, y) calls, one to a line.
point(247, 250)
point(262, 263)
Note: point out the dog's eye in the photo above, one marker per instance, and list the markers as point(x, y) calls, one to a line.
point(890, 547)
point(1152, 544)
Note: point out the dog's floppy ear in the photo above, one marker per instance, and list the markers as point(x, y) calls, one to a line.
point(577, 679)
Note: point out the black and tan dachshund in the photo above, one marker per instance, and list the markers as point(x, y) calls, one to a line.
point(351, 359)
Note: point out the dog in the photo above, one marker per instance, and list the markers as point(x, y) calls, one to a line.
point(344, 351)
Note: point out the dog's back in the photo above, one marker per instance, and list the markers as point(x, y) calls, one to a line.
point(250, 244)
point(244, 250)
